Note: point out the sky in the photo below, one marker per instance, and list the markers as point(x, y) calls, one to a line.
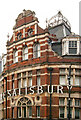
point(10, 9)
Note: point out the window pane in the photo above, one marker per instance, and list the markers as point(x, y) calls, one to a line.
point(62, 80)
point(0, 96)
point(69, 43)
point(30, 111)
point(77, 102)
point(61, 101)
point(38, 111)
point(19, 75)
point(36, 50)
point(15, 53)
point(24, 111)
point(38, 72)
point(77, 71)
point(24, 74)
point(30, 73)
point(70, 112)
point(72, 50)
point(38, 53)
point(38, 81)
point(30, 81)
point(62, 71)
point(24, 82)
point(77, 80)
point(25, 53)
point(26, 56)
point(19, 83)
point(12, 84)
point(15, 56)
point(19, 112)
point(75, 43)
point(26, 50)
point(71, 80)
point(70, 102)
point(12, 112)
point(61, 112)
point(77, 113)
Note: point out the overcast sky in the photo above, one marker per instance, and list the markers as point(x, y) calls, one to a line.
point(9, 10)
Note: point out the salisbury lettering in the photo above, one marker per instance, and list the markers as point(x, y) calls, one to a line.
point(32, 90)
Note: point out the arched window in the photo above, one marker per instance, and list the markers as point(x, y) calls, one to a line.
point(25, 53)
point(19, 35)
point(36, 50)
point(15, 56)
point(24, 108)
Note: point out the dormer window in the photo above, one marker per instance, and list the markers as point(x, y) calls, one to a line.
point(72, 47)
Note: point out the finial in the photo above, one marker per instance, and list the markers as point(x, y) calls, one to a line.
point(24, 12)
point(8, 36)
point(46, 23)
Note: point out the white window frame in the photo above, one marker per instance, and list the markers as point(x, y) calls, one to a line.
point(15, 56)
point(78, 112)
point(24, 82)
point(38, 111)
point(29, 111)
point(77, 81)
point(61, 111)
point(62, 81)
point(72, 45)
point(25, 53)
point(78, 102)
point(61, 100)
point(19, 108)
point(19, 83)
point(38, 80)
point(30, 81)
point(23, 112)
point(36, 50)
point(12, 112)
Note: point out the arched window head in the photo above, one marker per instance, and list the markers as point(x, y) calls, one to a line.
point(30, 31)
point(25, 53)
point(19, 35)
point(24, 106)
point(36, 50)
point(15, 56)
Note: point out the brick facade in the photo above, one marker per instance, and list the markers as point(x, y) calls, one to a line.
point(48, 58)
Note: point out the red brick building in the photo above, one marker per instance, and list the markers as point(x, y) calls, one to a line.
point(30, 52)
